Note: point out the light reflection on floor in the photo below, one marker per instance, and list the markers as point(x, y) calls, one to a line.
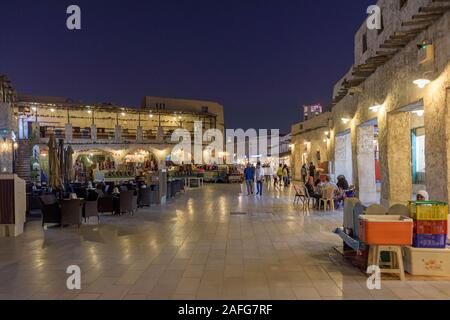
point(192, 248)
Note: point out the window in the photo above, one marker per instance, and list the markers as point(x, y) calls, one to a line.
point(205, 109)
point(364, 43)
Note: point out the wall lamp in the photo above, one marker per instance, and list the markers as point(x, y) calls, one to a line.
point(376, 108)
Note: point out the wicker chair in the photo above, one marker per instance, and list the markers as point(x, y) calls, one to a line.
point(105, 204)
point(91, 210)
point(145, 197)
point(71, 212)
point(128, 202)
point(51, 212)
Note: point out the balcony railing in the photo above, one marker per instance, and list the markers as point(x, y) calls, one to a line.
point(105, 134)
point(84, 135)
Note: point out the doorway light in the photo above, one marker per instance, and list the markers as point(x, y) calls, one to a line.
point(345, 120)
point(419, 113)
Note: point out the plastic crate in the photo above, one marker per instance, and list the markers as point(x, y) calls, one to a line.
point(427, 262)
point(430, 241)
point(430, 227)
point(428, 210)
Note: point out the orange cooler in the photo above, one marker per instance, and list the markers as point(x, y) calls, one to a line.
point(386, 230)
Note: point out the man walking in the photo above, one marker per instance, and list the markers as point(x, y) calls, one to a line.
point(268, 174)
point(280, 174)
point(259, 179)
point(304, 173)
point(249, 174)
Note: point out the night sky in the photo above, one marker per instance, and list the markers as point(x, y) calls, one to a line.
point(261, 59)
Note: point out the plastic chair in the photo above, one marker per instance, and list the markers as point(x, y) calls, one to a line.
point(327, 198)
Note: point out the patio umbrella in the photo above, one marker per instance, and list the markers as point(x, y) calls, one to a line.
point(54, 180)
point(69, 164)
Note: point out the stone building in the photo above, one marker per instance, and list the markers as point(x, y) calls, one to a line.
point(390, 112)
point(116, 131)
point(310, 143)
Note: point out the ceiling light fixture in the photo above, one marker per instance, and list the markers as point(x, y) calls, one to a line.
point(376, 108)
point(421, 83)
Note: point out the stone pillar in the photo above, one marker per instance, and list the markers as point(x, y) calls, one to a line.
point(93, 132)
point(162, 186)
point(69, 132)
point(395, 165)
point(437, 143)
point(139, 135)
point(6, 144)
point(160, 135)
point(366, 165)
point(118, 134)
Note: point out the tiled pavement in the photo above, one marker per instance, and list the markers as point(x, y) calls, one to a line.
point(192, 248)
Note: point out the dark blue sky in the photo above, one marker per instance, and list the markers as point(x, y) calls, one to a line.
point(261, 59)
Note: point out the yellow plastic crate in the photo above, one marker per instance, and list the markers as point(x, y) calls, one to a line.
point(428, 210)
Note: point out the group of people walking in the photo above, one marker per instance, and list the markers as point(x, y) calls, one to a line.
point(261, 174)
point(311, 170)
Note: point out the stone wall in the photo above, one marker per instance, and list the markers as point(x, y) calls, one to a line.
point(392, 86)
point(308, 140)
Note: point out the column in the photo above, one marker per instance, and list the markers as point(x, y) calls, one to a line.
point(69, 132)
point(366, 165)
point(93, 132)
point(160, 134)
point(395, 165)
point(139, 135)
point(6, 144)
point(118, 134)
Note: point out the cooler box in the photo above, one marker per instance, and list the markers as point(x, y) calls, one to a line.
point(386, 230)
point(427, 262)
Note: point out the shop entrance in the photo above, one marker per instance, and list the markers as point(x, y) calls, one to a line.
point(368, 157)
point(343, 156)
point(416, 128)
point(92, 165)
